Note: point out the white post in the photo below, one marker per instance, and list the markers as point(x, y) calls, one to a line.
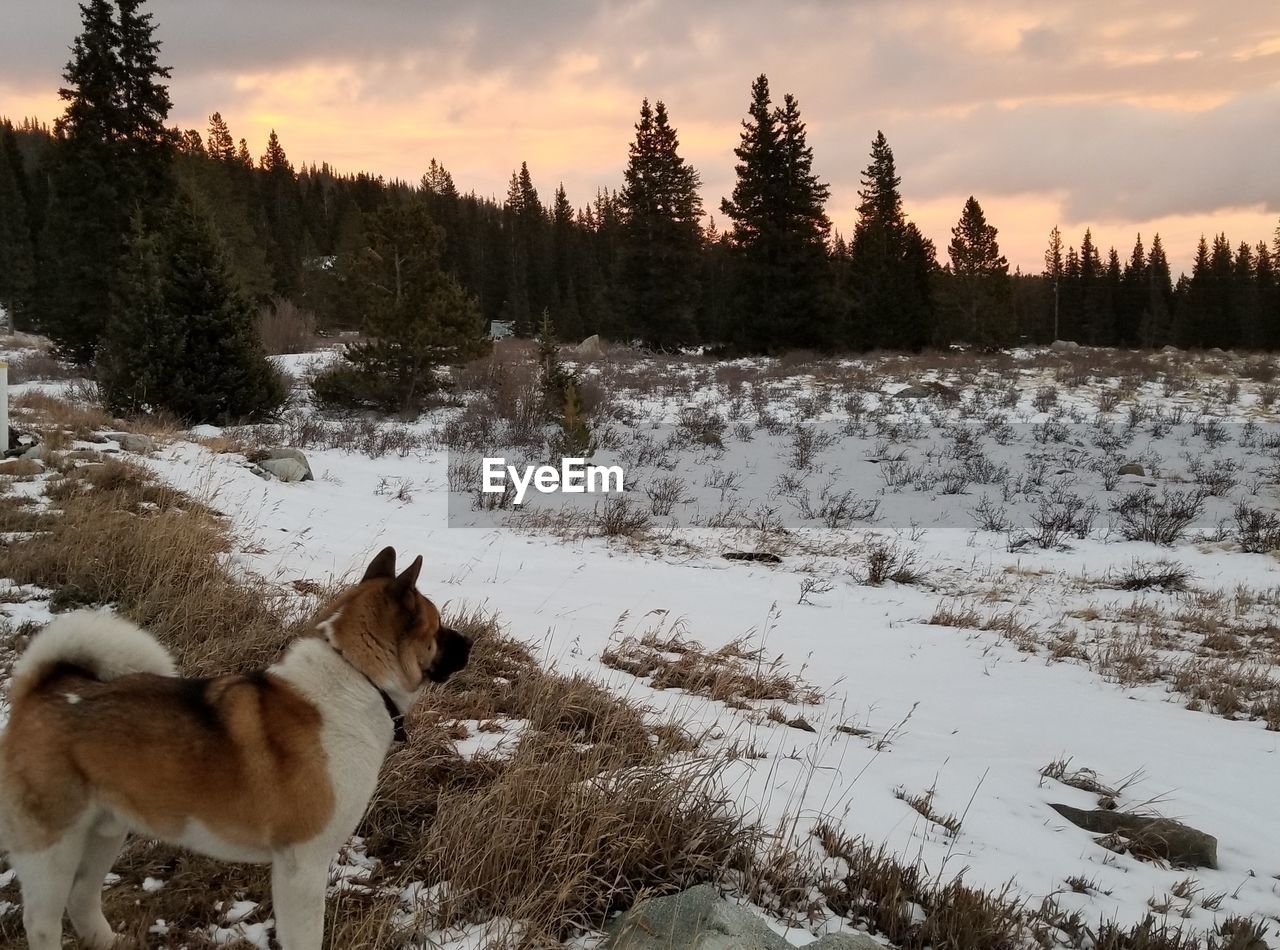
point(4, 406)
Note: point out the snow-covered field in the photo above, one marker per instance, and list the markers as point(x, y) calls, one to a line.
point(1036, 655)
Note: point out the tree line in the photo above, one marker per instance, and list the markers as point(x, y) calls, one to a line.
point(99, 213)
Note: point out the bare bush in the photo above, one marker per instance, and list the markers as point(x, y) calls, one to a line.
point(665, 492)
point(1257, 531)
point(1145, 575)
point(284, 327)
point(887, 560)
point(617, 517)
point(1142, 516)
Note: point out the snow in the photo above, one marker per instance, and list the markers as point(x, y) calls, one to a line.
point(960, 711)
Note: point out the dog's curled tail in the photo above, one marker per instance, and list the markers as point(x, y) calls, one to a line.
point(96, 641)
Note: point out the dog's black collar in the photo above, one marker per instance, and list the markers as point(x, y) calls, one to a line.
point(397, 717)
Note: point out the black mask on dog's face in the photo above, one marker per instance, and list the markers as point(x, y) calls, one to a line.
point(452, 651)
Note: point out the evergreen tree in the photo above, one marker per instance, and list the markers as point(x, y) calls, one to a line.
point(979, 297)
point(1157, 315)
point(416, 316)
point(184, 339)
point(17, 256)
point(113, 158)
point(781, 272)
point(280, 202)
point(1133, 297)
point(221, 146)
point(891, 263)
point(661, 236)
point(1054, 271)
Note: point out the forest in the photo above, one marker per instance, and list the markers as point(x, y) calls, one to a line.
point(97, 211)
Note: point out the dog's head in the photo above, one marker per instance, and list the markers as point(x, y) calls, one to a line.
point(392, 633)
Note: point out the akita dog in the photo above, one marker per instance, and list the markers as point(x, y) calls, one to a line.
point(279, 765)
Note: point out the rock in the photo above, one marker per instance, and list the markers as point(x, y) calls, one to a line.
point(133, 442)
point(21, 467)
point(696, 919)
point(1169, 348)
point(591, 347)
point(39, 452)
point(293, 455)
point(286, 470)
point(1133, 468)
point(1163, 838)
point(1064, 346)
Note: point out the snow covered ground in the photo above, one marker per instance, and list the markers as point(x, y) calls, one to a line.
point(837, 476)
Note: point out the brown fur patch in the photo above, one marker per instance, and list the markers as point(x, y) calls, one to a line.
point(239, 754)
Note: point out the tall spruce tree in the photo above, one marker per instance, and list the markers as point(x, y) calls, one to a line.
point(17, 254)
point(781, 272)
point(661, 236)
point(184, 338)
point(1157, 313)
point(979, 297)
point(1133, 297)
point(280, 202)
point(416, 317)
point(1054, 270)
point(891, 264)
point(113, 159)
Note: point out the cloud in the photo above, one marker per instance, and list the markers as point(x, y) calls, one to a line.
point(1140, 115)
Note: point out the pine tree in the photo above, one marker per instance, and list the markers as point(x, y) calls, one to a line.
point(17, 256)
point(1157, 314)
point(979, 297)
point(221, 146)
point(1054, 271)
point(416, 316)
point(891, 263)
point(184, 340)
point(280, 201)
point(782, 296)
point(113, 157)
point(1133, 297)
point(661, 236)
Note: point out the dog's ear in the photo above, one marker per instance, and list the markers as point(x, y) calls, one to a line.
point(384, 565)
point(408, 580)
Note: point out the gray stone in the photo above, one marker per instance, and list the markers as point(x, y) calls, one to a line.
point(1163, 838)
point(286, 470)
point(39, 452)
point(1064, 346)
point(286, 452)
point(696, 919)
point(133, 442)
point(1133, 468)
point(591, 347)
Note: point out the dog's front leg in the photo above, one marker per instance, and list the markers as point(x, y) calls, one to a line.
point(298, 882)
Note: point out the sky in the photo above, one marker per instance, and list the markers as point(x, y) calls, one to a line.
point(1126, 117)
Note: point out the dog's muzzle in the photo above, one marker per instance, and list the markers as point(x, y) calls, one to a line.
point(452, 652)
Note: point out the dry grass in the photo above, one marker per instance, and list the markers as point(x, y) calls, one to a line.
point(595, 805)
point(121, 538)
point(736, 674)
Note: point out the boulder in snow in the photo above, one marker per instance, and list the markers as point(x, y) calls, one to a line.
point(591, 347)
point(134, 442)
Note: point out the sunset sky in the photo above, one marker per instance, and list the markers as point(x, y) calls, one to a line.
point(1123, 116)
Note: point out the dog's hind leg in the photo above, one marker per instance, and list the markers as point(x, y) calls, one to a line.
point(46, 878)
point(298, 882)
point(85, 905)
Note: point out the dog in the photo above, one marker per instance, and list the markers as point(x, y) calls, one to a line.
point(104, 738)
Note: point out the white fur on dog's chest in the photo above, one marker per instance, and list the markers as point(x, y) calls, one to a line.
point(356, 729)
